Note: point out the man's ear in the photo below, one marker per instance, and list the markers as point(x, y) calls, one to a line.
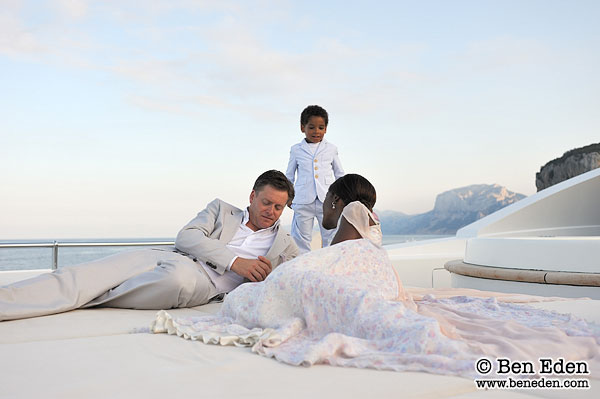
point(252, 194)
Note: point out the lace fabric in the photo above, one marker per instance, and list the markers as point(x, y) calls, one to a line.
point(340, 305)
point(359, 216)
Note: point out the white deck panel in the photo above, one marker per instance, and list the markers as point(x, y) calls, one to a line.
point(99, 353)
point(572, 254)
point(421, 263)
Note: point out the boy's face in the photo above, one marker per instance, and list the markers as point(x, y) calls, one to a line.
point(315, 129)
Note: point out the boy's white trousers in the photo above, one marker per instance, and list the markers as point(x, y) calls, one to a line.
point(303, 222)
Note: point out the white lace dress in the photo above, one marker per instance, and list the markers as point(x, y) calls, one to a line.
point(340, 305)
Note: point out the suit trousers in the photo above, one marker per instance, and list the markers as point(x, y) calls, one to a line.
point(141, 279)
point(302, 225)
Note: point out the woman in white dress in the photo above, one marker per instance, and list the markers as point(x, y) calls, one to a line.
point(344, 305)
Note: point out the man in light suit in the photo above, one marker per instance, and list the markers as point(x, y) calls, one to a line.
point(214, 253)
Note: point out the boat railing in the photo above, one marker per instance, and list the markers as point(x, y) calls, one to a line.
point(55, 245)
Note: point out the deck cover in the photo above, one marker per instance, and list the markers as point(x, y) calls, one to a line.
point(100, 353)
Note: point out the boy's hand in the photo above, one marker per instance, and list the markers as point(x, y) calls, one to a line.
point(253, 269)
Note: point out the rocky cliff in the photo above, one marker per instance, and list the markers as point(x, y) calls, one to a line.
point(571, 164)
point(453, 209)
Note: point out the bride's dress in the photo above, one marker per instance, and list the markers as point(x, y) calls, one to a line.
point(343, 305)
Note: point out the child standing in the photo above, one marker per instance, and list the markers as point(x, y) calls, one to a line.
point(315, 162)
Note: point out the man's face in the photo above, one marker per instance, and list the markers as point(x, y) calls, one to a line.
point(266, 206)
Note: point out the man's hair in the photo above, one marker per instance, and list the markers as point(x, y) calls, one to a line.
point(277, 180)
point(313, 110)
point(353, 187)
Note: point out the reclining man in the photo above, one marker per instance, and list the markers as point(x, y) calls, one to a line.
point(214, 253)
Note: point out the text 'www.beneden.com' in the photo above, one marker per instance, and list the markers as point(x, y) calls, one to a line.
point(533, 375)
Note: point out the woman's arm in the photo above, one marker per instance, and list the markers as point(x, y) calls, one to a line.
point(345, 232)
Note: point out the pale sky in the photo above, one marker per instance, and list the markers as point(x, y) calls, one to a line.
point(124, 118)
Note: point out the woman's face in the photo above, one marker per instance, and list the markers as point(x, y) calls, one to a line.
point(331, 215)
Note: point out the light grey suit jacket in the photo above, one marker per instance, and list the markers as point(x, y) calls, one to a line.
point(324, 166)
point(206, 236)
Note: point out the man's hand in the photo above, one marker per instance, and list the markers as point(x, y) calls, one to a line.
point(253, 269)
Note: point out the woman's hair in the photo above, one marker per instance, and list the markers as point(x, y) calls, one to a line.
point(353, 187)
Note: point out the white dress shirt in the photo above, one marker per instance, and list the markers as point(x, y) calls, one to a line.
point(245, 243)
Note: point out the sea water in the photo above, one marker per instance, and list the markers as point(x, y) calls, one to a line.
point(41, 258)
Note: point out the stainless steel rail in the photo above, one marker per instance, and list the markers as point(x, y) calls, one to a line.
point(55, 245)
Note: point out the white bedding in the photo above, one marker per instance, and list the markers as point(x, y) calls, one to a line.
point(94, 354)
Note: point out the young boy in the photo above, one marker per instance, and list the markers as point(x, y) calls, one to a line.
point(316, 163)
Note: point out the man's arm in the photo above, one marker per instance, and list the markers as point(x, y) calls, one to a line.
point(195, 238)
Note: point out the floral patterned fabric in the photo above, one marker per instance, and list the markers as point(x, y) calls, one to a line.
point(343, 305)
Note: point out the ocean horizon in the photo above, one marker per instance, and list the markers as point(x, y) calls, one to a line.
point(41, 258)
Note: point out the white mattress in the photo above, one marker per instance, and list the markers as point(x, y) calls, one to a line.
point(105, 353)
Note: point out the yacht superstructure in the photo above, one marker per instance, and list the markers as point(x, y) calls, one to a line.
point(547, 244)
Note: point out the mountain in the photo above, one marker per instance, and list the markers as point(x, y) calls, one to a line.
point(571, 164)
point(453, 209)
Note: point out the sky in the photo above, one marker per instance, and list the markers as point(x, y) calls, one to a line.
point(122, 118)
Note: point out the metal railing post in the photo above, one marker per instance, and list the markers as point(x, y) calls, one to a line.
point(55, 256)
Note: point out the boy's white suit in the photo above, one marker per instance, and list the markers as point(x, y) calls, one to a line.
point(312, 174)
point(143, 279)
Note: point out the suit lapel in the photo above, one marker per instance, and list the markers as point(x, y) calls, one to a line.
point(305, 147)
point(279, 245)
point(231, 223)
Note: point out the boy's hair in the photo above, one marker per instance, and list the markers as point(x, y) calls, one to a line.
point(313, 110)
point(353, 187)
point(277, 180)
